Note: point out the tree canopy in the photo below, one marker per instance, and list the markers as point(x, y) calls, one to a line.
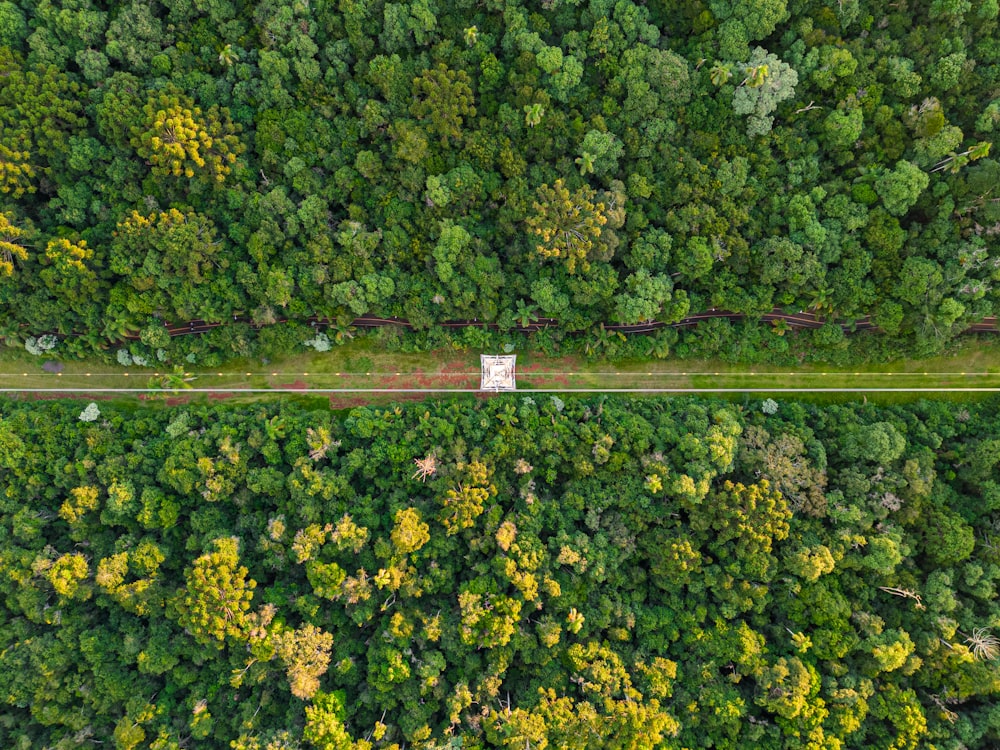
point(602, 161)
point(584, 573)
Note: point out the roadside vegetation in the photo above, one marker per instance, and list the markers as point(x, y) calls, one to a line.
point(365, 362)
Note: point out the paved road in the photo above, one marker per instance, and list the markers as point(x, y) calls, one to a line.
point(761, 389)
point(796, 320)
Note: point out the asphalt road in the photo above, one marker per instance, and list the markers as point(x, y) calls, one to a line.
point(796, 320)
point(761, 389)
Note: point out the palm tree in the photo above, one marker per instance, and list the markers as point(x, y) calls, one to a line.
point(119, 330)
point(954, 162)
point(525, 314)
point(320, 441)
point(10, 332)
point(821, 300)
point(174, 381)
point(342, 333)
point(756, 75)
point(533, 114)
point(603, 340)
point(471, 36)
point(720, 73)
point(660, 348)
point(275, 427)
point(178, 379)
point(227, 56)
point(507, 416)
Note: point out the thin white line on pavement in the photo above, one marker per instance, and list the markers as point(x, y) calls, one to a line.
point(536, 373)
point(760, 389)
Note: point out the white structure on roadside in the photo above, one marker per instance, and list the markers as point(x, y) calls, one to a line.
point(497, 372)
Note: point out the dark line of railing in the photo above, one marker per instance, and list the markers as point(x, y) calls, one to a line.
point(797, 320)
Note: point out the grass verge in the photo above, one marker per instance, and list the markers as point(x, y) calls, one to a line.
point(359, 365)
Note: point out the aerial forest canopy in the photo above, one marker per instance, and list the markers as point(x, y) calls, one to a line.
point(594, 162)
point(524, 572)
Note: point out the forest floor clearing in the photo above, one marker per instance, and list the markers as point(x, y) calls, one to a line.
point(357, 373)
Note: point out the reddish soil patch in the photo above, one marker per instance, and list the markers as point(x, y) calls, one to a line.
point(433, 380)
point(344, 401)
point(452, 380)
point(347, 402)
point(299, 385)
point(220, 396)
point(178, 401)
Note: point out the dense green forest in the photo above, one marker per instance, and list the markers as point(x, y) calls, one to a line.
point(592, 161)
point(522, 572)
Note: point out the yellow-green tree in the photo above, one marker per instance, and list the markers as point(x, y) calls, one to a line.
point(67, 573)
point(11, 245)
point(172, 261)
point(131, 577)
point(184, 241)
point(410, 533)
point(40, 110)
point(305, 653)
point(569, 226)
point(442, 97)
point(69, 256)
point(84, 500)
point(785, 687)
point(16, 171)
point(325, 723)
point(177, 139)
point(68, 271)
point(214, 603)
point(463, 503)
